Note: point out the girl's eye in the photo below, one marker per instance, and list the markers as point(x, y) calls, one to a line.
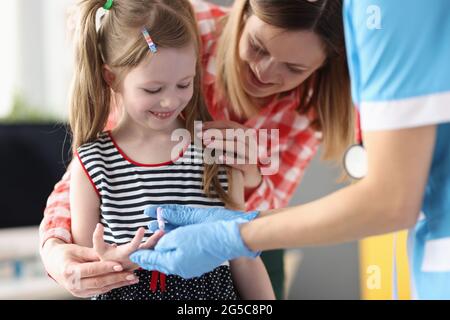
point(185, 86)
point(152, 91)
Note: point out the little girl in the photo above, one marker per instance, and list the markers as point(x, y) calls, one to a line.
point(145, 56)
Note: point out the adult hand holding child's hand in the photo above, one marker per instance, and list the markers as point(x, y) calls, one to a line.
point(120, 254)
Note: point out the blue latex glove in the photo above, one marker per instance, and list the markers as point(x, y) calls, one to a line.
point(193, 250)
point(179, 215)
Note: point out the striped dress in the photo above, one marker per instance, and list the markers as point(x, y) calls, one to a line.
point(126, 188)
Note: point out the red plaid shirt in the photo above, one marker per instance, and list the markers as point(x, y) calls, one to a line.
point(298, 141)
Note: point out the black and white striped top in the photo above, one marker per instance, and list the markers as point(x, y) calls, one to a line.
point(126, 188)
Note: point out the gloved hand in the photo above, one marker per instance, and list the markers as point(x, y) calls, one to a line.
point(193, 250)
point(179, 215)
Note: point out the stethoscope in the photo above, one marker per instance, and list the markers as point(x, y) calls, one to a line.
point(355, 158)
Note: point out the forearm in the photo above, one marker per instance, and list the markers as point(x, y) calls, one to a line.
point(388, 199)
point(56, 222)
point(352, 213)
point(251, 279)
point(48, 246)
point(52, 256)
point(53, 227)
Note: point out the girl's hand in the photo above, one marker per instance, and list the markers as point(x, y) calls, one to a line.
point(239, 148)
point(120, 254)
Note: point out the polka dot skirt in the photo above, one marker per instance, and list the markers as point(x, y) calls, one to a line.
point(215, 285)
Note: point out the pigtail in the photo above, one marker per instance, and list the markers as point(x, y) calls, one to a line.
point(90, 95)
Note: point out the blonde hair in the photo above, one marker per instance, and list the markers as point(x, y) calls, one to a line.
point(326, 91)
point(120, 44)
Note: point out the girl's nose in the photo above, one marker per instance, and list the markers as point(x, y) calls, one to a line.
point(165, 103)
point(169, 102)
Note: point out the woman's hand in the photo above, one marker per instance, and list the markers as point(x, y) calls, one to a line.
point(112, 252)
point(193, 250)
point(79, 270)
point(238, 146)
point(176, 215)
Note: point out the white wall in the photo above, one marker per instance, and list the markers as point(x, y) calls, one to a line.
point(57, 55)
point(30, 62)
point(35, 61)
point(8, 60)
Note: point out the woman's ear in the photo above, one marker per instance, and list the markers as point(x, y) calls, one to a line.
point(109, 76)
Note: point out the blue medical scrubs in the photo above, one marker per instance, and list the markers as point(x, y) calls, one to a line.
point(399, 57)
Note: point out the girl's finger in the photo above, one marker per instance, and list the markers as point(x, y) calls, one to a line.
point(136, 241)
point(97, 239)
point(152, 241)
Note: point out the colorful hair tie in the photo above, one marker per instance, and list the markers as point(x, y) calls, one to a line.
point(148, 39)
point(108, 4)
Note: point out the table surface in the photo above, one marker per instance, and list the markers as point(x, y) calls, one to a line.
point(19, 243)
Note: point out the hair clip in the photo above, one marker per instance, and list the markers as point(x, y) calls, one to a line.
point(108, 4)
point(149, 40)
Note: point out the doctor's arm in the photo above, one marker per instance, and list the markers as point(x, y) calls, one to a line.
point(389, 198)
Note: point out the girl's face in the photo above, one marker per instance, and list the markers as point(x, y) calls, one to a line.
point(275, 60)
point(159, 88)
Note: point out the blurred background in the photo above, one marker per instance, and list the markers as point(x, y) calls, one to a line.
point(35, 72)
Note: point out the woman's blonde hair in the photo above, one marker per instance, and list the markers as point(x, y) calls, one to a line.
point(120, 44)
point(326, 91)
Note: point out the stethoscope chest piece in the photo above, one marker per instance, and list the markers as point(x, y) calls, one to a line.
point(355, 161)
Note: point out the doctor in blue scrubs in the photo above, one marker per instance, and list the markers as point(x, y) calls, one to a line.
point(399, 54)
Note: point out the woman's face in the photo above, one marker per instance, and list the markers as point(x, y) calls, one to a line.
point(275, 60)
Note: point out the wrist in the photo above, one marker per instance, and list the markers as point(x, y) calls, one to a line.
point(247, 250)
point(48, 257)
point(252, 178)
point(50, 243)
point(249, 216)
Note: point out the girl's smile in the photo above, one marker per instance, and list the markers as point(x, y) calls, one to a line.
point(163, 115)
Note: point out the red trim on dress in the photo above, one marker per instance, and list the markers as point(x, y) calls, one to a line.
point(144, 164)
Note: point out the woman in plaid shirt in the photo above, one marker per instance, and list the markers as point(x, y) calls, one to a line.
point(267, 65)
